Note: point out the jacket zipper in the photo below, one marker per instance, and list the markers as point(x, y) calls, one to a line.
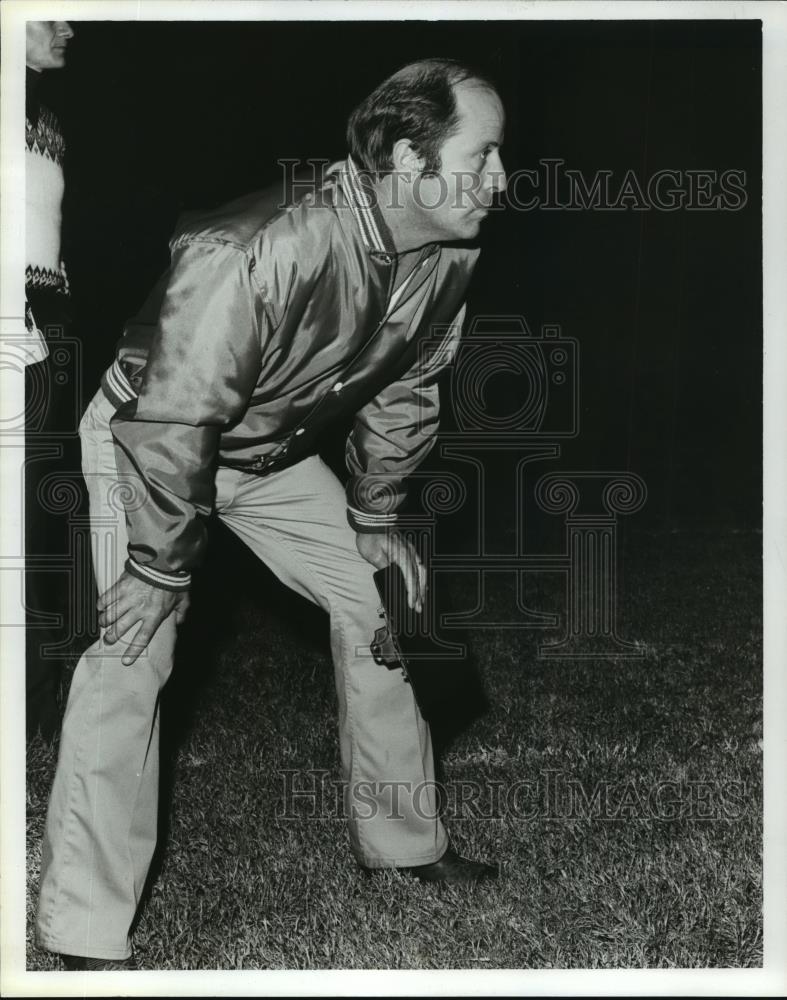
point(264, 461)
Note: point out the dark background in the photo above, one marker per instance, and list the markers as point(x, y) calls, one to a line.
point(666, 306)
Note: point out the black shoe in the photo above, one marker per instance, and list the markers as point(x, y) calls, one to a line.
point(74, 963)
point(453, 869)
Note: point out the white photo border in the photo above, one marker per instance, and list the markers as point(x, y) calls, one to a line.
point(771, 980)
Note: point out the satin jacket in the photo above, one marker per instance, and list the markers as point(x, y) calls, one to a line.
point(271, 322)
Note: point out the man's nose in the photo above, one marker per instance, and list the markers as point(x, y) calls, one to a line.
point(64, 29)
point(495, 174)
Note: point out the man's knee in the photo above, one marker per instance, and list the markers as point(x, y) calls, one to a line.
point(152, 667)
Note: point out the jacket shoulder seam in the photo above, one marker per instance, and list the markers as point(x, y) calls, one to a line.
point(186, 240)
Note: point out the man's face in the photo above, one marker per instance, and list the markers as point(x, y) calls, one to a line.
point(454, 203)
point(46, 44)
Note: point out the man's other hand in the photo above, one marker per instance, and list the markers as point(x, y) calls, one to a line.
point(131, 600)
point(383, 548)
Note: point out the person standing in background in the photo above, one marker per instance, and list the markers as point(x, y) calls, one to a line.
point(51, 446)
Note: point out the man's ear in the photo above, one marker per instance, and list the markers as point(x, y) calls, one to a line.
point(406, 159)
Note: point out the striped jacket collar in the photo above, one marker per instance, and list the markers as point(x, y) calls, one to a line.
point(362, 200)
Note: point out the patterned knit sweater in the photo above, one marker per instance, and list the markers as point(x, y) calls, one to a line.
point(44, 149)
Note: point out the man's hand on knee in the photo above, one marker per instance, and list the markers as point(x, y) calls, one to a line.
point(383, 548)
point(130, 601)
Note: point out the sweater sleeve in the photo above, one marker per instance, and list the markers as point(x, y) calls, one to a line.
point(202, 367)
point(394, 433)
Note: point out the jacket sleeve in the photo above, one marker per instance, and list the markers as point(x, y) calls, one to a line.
point(202, 366)
point(394, 433)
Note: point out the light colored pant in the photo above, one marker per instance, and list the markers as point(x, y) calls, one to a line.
point(102, 819)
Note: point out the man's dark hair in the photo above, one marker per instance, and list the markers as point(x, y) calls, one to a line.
point(416, 103)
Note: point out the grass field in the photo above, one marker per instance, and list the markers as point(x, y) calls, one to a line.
point(661, 869)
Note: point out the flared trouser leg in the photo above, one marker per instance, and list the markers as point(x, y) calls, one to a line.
point(101, 824)
point(295, 521)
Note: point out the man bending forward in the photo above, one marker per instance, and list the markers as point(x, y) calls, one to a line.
point(270, 323)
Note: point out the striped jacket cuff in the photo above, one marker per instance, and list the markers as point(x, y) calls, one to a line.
point(156, 578)
point(116, 385)
point(365, 523)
